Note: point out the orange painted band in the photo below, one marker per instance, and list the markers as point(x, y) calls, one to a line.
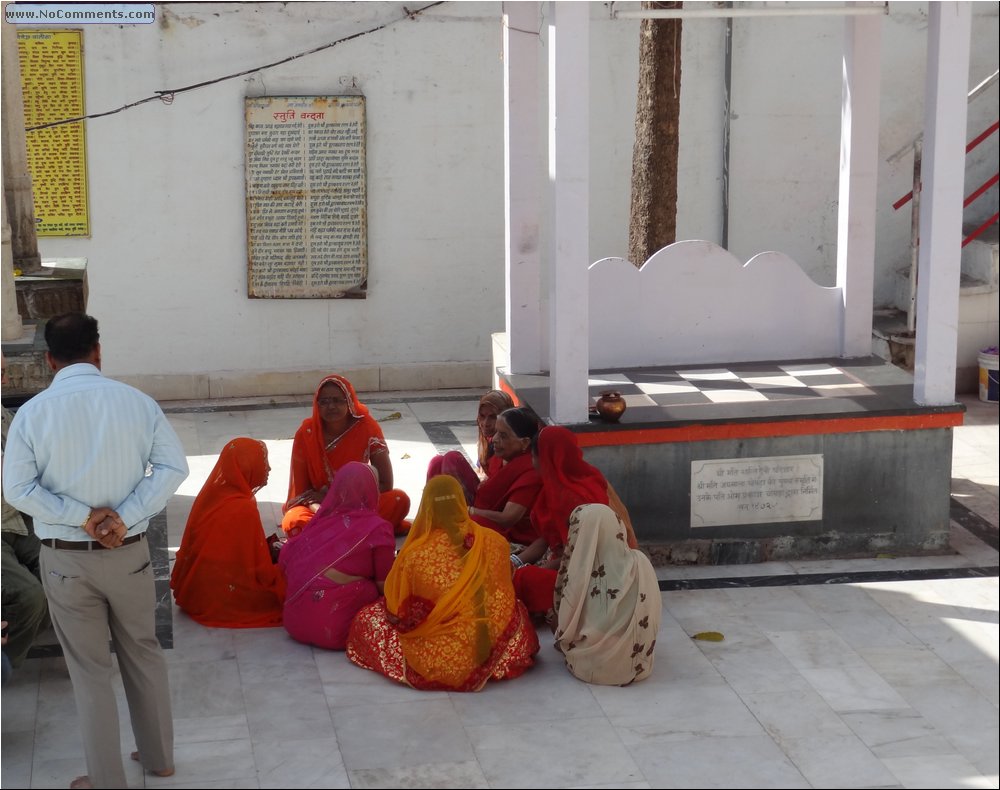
point(762, 430)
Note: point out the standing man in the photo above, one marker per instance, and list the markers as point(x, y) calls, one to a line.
point(92, 460)
point(24, 606)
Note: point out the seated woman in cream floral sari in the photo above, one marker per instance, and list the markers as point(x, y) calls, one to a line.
point(607, 601)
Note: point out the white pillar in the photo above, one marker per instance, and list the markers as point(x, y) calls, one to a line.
point(943, 177)
point(859, 128)
point(569, 177)
point(522, 198)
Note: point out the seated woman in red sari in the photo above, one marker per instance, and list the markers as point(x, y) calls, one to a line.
point(503, 501)
point(223, 575)
point(340, 430)
point(490, 406)
point(449, 619)
point(567, 482)
point(339, 563)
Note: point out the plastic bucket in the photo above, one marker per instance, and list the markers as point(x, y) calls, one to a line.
point(989, 387)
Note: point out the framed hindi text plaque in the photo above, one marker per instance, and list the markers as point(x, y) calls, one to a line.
point(306, 195)
point(52, 85)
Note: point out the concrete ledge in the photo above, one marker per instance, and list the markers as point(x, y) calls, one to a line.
point(255, 384)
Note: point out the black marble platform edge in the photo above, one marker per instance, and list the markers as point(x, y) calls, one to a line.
point(854, 577)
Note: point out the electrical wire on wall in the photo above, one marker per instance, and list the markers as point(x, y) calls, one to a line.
point(167, 96)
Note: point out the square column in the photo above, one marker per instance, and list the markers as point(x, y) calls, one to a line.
point(941, 197)
point(569, 178)
point(859, 128)
point(522, 195)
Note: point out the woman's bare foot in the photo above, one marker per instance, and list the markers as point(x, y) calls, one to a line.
point(135, 756)
point(80, 782)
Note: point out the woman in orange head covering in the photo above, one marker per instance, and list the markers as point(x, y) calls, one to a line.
point(339, 430)
point(449, 620)
point(224, 576)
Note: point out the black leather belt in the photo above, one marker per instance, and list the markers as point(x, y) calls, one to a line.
point(86, 545)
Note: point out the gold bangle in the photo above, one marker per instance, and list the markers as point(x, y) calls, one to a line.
point(87, 519)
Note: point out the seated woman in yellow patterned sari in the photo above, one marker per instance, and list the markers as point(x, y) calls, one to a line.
point(449, 619)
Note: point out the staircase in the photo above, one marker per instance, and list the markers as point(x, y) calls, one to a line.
point(978, 319)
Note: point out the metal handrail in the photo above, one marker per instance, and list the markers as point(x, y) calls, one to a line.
point(972, 95)
point(972, 144)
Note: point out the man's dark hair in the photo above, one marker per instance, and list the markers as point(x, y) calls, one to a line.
point(71, 336)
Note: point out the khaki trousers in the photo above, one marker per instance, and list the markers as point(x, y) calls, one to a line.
point(93, 595)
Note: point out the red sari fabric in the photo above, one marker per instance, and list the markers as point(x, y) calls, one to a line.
point(515, 481)
point(223, 575)
point(313, 466)
point(348, 536)
point(567, 482)
point(449, 619)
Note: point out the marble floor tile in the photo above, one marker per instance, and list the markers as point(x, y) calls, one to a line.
point(425, 731)
point(553, 754)
point(536, 696)
point(789, 715)
point(841, 761)
point(853, 689)
point(447, 411)
point(299, 762)
point(206, 688)
point(200, 763)
point(708, 760)
point(430, 775)
point(643, 711)
point(16, 748)
point(936, 771)
point(815, 649)
point(897, 733)
point(285, 708)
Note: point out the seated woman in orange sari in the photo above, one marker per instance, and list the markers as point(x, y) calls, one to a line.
point(503, 501)
point(449, 619)
point(223, 575)
point(567, 482)
point(339, 563)
point(339, 430)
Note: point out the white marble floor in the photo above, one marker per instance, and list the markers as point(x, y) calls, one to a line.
point(851, 684)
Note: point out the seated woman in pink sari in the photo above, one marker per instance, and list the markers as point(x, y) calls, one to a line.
point(502, 501)
point(340, 563)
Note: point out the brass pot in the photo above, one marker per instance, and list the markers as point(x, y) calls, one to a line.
point(611, 406)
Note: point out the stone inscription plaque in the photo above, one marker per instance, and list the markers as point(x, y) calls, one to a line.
point(307, 216)
point(756, 490)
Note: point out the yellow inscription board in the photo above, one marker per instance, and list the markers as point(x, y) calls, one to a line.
point(52, 81)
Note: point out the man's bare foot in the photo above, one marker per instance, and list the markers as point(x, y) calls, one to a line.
point(164, 773)
point(80, 782)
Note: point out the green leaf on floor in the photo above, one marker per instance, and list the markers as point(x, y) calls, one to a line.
point(709, 636)
point(394, 416)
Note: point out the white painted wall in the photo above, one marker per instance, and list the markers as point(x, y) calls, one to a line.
point(167, 258)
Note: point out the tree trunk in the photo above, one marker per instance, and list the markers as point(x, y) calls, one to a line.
point(653, 215)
